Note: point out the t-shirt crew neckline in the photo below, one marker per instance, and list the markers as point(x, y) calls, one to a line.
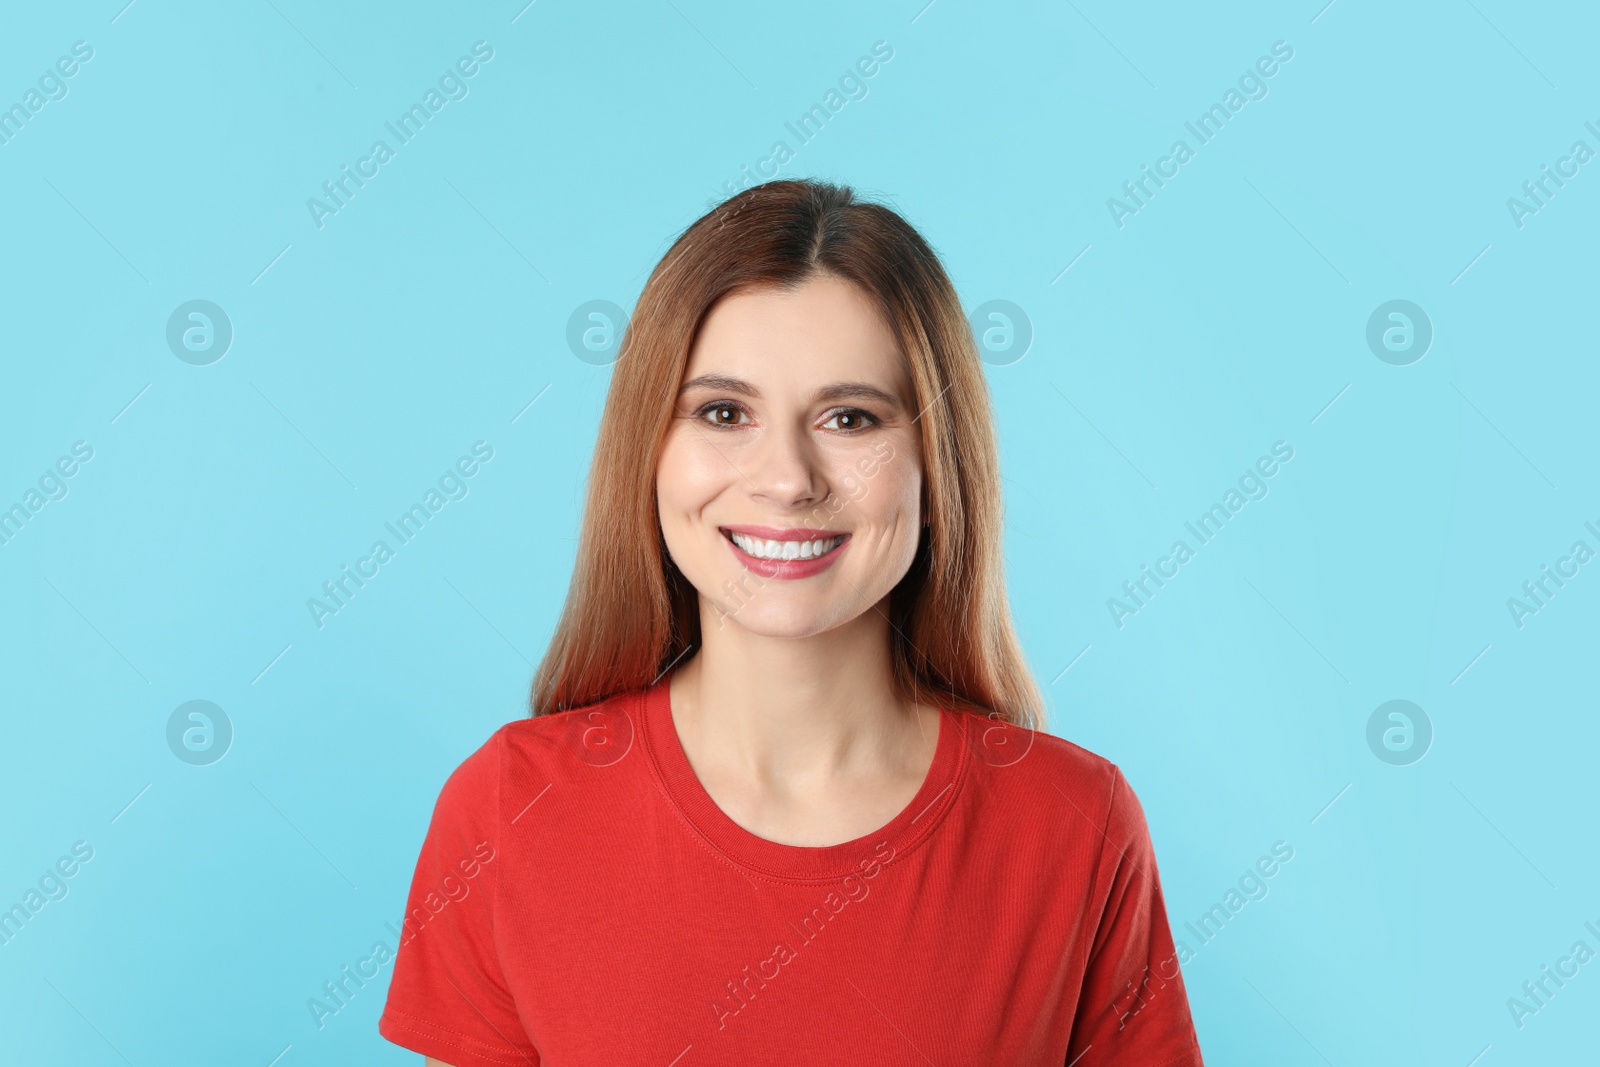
point(798, 862)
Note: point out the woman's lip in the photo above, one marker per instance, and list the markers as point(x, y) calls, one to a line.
point(783, 568)
point(791, 533)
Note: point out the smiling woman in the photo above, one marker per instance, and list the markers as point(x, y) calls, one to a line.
point(835, 386)
point(785, 795)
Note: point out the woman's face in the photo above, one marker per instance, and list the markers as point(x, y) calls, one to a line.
point(790, 483)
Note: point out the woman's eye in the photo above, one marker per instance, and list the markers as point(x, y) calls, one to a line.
point(849, 420)
point(723, 414)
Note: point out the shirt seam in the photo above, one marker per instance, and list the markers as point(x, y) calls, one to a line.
point(503, 841)
point(1192, 1051)
point(499, 794)
point(916, 838)
point(465, 1042)
point(1094, 876)
point(658, 777)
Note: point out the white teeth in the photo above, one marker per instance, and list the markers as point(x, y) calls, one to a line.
point(785, 550)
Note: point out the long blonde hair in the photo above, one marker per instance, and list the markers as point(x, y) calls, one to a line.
point(630, 614)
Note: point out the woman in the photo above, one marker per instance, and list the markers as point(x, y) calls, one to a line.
point(782, 798)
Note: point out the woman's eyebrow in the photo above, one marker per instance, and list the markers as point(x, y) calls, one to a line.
point(721, 382)
point(857, 391)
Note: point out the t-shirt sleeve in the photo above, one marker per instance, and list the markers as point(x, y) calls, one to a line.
point(448, 997)
point(1133, 1010)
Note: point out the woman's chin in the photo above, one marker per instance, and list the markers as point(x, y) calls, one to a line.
point(791, 621)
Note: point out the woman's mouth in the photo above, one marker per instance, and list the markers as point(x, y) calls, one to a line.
point(784, 553)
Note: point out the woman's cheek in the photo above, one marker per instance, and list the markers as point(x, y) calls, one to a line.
point(894, 476)
point(685, 473)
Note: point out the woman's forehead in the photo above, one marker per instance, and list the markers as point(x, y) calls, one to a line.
point(826, 329)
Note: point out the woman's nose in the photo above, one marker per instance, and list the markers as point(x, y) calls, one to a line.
point(784, 470)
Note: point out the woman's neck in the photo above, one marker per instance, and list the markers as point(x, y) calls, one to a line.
point(783, 724)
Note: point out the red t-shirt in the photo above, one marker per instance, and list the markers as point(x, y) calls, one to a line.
point(581, 900)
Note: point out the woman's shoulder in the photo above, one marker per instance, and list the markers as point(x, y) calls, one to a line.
point(1047, 767)
point(526, 752)
point(596, 734)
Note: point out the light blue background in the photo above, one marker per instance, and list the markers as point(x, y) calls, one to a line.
point(1228, 314)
